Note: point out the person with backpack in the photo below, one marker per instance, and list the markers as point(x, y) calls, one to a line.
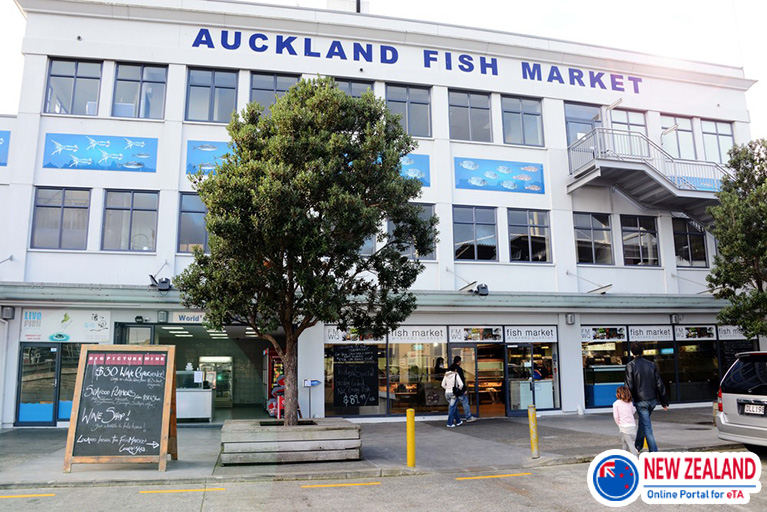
point(460, 392)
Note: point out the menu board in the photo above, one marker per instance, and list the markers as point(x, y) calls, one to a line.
point(732, 347)
point(123, 400)
point(355, 375)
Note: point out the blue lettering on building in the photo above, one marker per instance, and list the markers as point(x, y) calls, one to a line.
point(576, 76)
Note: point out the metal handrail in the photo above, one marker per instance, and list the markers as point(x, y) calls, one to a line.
point(625, 146)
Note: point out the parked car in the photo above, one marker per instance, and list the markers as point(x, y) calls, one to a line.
point(742, 398)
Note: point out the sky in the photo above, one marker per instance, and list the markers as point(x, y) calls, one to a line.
point(730, 32)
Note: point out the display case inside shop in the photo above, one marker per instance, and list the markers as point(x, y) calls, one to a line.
point(194, 396)
point(602, 382)
point(220, 368)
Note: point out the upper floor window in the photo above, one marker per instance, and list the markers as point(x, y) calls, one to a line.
point(522, 121)
point(633, 123)
point(192, 233)
point(689, 244)
point(265, 88)
point(413, 104)
point(677, 138)
point(139, 91)
point(529, 235)
point(580, 120)
point(640, 240)
point(369, 246)
point(427, 212)
point(130, 220)
point(211, 95)
point(60, 218)
point(470, 116)
point(474, 234)
point(717, 141)
point(353, 88)
point(73, 87)
point(593, 238)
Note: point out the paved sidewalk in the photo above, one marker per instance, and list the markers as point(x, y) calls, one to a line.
point(31, 458)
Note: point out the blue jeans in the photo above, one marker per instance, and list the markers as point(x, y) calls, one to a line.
point(644, 430)
point(452, 411)
point(466, 408)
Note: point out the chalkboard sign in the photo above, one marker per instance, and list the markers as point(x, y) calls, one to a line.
point(355, 375)
point(123, 406)
point(732, 347)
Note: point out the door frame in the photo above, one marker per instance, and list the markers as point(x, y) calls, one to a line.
point(56, 379)
point(531, 380)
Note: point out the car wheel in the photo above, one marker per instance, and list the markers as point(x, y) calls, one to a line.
point(759, 450)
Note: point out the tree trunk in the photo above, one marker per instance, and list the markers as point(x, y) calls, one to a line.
point(290, 362)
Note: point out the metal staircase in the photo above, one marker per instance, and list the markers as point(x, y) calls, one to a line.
point(644, 172)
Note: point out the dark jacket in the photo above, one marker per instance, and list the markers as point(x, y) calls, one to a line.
point(457, 368)
point(644, 382)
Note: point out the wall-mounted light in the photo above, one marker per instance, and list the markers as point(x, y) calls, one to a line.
point(482, 290)
point(162, 317)
point(675, 319)
point(139, 319)
point(614, 104)
point(570, 319)
point(670, 129)
point(7, 312)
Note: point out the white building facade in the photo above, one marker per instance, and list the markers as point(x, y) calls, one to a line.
point(570, 181)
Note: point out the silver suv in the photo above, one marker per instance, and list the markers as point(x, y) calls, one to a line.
point(742, 398)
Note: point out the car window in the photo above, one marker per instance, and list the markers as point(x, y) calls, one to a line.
point(747, 376)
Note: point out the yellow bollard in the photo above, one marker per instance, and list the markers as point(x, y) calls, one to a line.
point(411, 438)
point(533, 431)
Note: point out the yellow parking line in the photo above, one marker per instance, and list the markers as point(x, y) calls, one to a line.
point(26, 496)
point(338, 485)
point(490, 476)
point(182, 490)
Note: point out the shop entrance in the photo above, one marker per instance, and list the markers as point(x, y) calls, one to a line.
point(532, 377)
point(483, 368)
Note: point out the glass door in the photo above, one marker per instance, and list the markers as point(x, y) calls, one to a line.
point(520, 372)
point(468, 355)
point(491, 393)
point(38, 384)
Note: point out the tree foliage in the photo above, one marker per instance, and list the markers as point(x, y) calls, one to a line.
point(740, 227)
point(288, 212)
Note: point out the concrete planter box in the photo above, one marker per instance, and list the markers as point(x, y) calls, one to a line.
point(270, 442)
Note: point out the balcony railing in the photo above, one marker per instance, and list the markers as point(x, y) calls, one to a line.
point(624, 146)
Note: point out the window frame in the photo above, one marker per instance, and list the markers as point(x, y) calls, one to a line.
point(141, 81)
point(675, 134)
point(62, 208)
point(350, 81)
point(276, 92)
point(469, 109)
point(627, 231)
point(474, 224)
point(687, 233)
point(428, 212)
point(212, 87)
point(522, 115)
point(530, 227)
point(181, 211)
point(77, 62)
point(594, 122)
point(130, 223)
point(408, 101)
point(719, 136)
point(591, 229)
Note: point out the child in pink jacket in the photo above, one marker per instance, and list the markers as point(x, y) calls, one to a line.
point(623, 412)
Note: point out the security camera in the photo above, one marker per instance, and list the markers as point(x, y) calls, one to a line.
point(482, 290)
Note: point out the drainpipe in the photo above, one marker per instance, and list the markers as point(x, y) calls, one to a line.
point(5, 328)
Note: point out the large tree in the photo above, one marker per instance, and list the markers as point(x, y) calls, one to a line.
point(740, 227)
point(289, 209)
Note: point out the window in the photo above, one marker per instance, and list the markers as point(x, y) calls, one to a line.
point(427, 212)
point(717, 141)
point(529, 235)
point(522, 121)
point(470, 116)
point(266, 88)
point(191, 224)
point(413, 104)
point(474, 233)
point(369, 246)
point(130, 221)
point(139, 91)
point(678, 142)
point(60, 218)
point(689, 244)
point(640, 240)
point(73, 87)
point(633, 123)
point(211, 95)
point(353, 88)
point(580, 120)
point(593, 238)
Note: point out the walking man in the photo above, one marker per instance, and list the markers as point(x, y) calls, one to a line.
point(461, 393)
point(647, 389)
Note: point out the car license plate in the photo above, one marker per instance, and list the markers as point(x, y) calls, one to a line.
point(753, 409)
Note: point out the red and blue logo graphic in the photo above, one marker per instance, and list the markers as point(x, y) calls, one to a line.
point(614, 478)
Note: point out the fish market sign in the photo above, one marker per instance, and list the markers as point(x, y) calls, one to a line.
point(580, 77)
point(75, 325)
